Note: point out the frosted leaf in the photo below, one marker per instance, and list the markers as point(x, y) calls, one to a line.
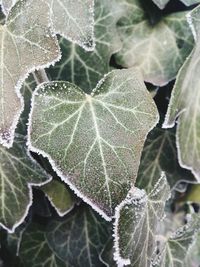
point(7, 5)
point(59, 196)
point(94, 142)
point(193, 255)
point(79, 238)
point(184, 106)
point(26, 44)
point(174, 249)
point(162, 3)
point(74, 20)
point(18, 171)
point(84, 68)
point(158, 49)
point(160, 155)
point(137, 219)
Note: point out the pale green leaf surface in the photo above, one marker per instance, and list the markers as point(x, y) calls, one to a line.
point(74, 20)
point(174, 248)
point(7, 4)
point(80, 238)
point(25, 44)
point(184, 106)
point(83, 68)
point(160, 155)
point(193, 255)
point(59, 196)
point(159, 49)
point(18, 171)
point(94, 142)
point(137, 219)
point(35, 251)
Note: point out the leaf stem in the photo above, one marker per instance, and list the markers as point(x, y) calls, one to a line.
point(40, 76)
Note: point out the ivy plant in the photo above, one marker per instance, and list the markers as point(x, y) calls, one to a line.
point(99, 133)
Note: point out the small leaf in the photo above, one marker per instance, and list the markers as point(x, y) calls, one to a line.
point(159, 49)
point(18, 171)
point(94, 142)
point(26, 44)
point(79, 239)
point(175, 249)
point(160, 155)
point(83, 68)
point(184, 105)
point(35, 251)
point(74, 20)
point(137, 218)
point(59, 196)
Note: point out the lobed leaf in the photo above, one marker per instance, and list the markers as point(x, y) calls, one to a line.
point(74, 20)
point(94, 142)
point(79, 239)
point(83, 68)
point(157, 48)
point(184, 106)
point(137, 219)
point(26, 44)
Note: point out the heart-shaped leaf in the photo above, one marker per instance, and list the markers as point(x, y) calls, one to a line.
point(94, 141)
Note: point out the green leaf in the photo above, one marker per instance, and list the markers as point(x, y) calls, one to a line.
point(74, 20)
point(160, 154)
point(7, 4)
point(94, 142)
point(158, 49)
point(193, 255)
point(18, 172)
point(175, 249)
point(184, 105)
point(26, 44)
point(79, 239)
point(35, 251)
point(107, 254)
point(83, 68)
point(137, 219)
point(59, 196)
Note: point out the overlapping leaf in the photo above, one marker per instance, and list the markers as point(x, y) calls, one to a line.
point(73, 20)
point(35, 250)
point(17, 173)
point(94, 142)
point(175, 249)
point(184, 105)
point(162, 3)
point(83, 68)
point(26, 44)
point(160, 154)
point(80, 238)
point(137, 219)
point(157, 48)
point(59, 196)
point(7, 4)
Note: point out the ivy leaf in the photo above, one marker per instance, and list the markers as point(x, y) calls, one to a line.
point(79, 239)
point(73, 20)
point(160, 155)
point(35, 251)
point(59, 196)
point(193, 255)
point(107, 254)
point(83, 68)
point(137, 218)
point(18, 173)
point(26, 44)
point(158, 49)
point(7, 5)
point(94, 141)
point(176, 246)
point(184, 105)
point(162, 3)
